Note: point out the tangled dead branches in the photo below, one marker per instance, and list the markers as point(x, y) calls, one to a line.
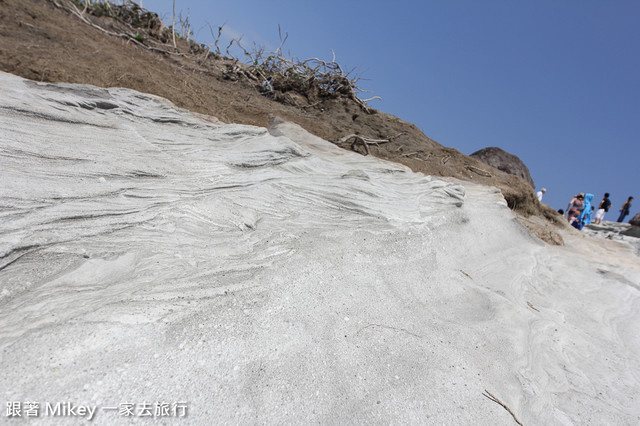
point(128, 12)
point(315, 79)
point(144, 28)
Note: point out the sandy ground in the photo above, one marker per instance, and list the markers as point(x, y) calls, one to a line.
point(150, 255)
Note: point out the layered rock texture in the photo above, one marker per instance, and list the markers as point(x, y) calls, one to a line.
point(153, 255)
point(44, 40)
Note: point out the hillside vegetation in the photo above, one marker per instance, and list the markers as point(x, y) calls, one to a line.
point(125, 46)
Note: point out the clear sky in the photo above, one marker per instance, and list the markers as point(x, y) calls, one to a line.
point(555, 82)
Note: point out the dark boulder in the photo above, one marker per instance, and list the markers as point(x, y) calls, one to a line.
point(635, 221)
point(502, 160)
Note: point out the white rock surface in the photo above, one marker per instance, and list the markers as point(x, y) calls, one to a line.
point(621, 232)
point(149, 254)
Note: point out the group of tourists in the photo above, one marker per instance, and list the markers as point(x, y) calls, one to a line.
point(580, 209)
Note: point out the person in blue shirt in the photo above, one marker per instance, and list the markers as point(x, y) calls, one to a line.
point(584, 218)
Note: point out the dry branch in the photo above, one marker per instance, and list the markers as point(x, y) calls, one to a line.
point(365, 142)
point(389, 327)
point(218, 37)
point(532, 307)
point(313, 78)
point(173, 25)
point(479, 171)
point(496, 400)
point(372, 98)
point(358, 139)
point(74, 10)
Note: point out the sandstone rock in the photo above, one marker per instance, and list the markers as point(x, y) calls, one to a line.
point(502, 160)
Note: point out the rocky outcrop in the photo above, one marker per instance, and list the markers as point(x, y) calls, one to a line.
point(635, 221)
point(502, 160)
point(219, 87)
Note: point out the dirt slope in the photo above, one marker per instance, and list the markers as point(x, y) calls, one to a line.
point(44, 41)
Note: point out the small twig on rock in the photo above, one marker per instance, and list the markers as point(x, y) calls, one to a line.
point(389, 327)
point(532, 307)
point(467, 275)
point(497, 401)
point(363, 142)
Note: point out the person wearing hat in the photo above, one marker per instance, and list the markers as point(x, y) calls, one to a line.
point(575, 207)
point(540, 193)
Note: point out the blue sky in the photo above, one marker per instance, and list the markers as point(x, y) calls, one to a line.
point(556, 83)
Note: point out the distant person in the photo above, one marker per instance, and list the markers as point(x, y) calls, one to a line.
point(585, 216)
point(561, 212)
point(624, 211)
point(604, 206)
point(575, 207)
point(540, 193)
